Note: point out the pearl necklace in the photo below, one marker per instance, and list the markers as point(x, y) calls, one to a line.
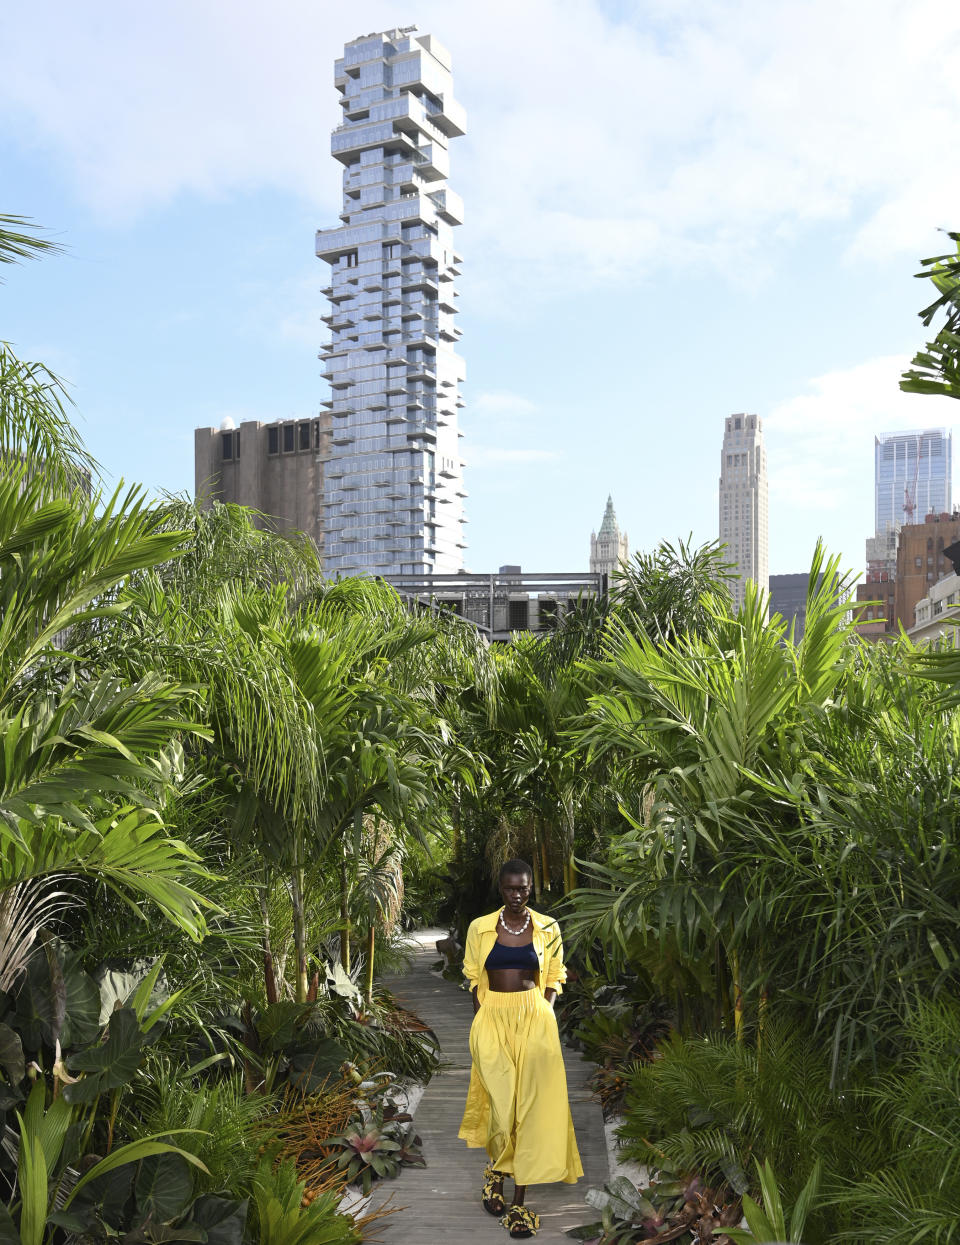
point(515, 932)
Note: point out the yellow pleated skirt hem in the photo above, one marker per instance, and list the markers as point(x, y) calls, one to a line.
point(517, 1107)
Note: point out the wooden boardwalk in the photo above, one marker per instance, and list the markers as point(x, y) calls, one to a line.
point(442, 1201)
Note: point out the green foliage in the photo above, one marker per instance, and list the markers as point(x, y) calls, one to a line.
point(669, 1208)
point(769, 1222)
point(907, 1195)
point(284, 1220)
point(714, 1105)
point(937, 368)
point(230, 1126)
point(673, 590)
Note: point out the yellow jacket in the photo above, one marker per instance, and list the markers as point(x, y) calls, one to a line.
point(547, 943)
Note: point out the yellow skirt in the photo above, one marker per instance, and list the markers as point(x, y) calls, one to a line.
point(517, 1106)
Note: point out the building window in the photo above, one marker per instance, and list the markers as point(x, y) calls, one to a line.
point(316, 434)
point(918, 563)
point(273, 440)
point(518, 615)
point(288, 438)
point(549, 615)
point(226, 446)
point(304, 436)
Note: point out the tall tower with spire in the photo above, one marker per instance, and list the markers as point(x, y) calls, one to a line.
point(608, 547)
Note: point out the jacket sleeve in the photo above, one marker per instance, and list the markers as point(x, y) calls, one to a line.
point(471, 956)
point(555, 971)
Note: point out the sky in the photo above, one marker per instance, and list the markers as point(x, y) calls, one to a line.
point(675, 210)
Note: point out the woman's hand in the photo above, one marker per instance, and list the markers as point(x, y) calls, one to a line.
point(550, 995)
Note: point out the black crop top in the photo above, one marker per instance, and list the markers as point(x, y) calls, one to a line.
point(504, 956)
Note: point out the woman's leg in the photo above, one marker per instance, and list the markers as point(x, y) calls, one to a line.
point(544, 1149)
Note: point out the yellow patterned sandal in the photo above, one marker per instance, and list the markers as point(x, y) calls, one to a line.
point(520, 1222)
point(493, 1202)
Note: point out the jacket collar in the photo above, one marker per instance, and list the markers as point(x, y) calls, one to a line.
point(489, 922)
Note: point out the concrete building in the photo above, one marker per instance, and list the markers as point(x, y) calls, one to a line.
point(276, 468)
point(394, 482)
point(609, 547)
point(788, 598)
point(938, 614)
point(922, 562)
point(877, 594)
point(501, 604)
point(913, 477)
point(744, 516)
point(913, 474)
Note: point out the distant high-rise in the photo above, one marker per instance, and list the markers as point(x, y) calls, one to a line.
point(913, 475)
point(393, 482)
point(912, 478)
point(743, 502)
point(608, 547)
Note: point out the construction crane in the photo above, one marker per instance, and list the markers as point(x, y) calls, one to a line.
point(910, 495)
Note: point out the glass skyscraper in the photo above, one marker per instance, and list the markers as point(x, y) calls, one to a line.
point(913, 477)
point(393, 484)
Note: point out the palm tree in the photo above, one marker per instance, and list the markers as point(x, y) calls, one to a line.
point(693, 726)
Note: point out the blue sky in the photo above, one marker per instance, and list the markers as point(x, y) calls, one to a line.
point(675, 210)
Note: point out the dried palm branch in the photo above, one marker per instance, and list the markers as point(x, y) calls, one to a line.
point(24, 910)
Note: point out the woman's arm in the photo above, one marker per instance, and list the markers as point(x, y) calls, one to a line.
point(556, 973)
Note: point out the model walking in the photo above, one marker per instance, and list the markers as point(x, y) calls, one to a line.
point(517, 1106)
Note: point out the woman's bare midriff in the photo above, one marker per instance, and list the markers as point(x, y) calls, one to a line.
point(509, 980)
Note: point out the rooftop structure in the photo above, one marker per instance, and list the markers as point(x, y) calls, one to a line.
point(503, 603)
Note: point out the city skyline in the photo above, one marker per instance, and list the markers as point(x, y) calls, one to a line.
point(737, 154)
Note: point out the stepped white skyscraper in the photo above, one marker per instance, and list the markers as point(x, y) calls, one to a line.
point(393, 483)
point(744, 503)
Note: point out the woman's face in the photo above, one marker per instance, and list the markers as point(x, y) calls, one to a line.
point(515, 891)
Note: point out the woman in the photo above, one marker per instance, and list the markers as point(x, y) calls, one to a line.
point(517, 1105)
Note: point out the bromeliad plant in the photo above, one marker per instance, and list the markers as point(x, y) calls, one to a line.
point(375, 1145)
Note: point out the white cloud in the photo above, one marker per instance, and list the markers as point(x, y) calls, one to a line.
point(697, 134)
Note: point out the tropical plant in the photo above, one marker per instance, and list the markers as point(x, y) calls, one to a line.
point(715, 1105)
point(669, 1208)
point(692, 727)
point(287, 1215)
point(906, 1194)
point(936, 369)
point(375, 1147)
point(46, 1186)
point(769, 1221)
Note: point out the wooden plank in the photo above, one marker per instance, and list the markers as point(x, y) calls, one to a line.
point(442, 1200)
